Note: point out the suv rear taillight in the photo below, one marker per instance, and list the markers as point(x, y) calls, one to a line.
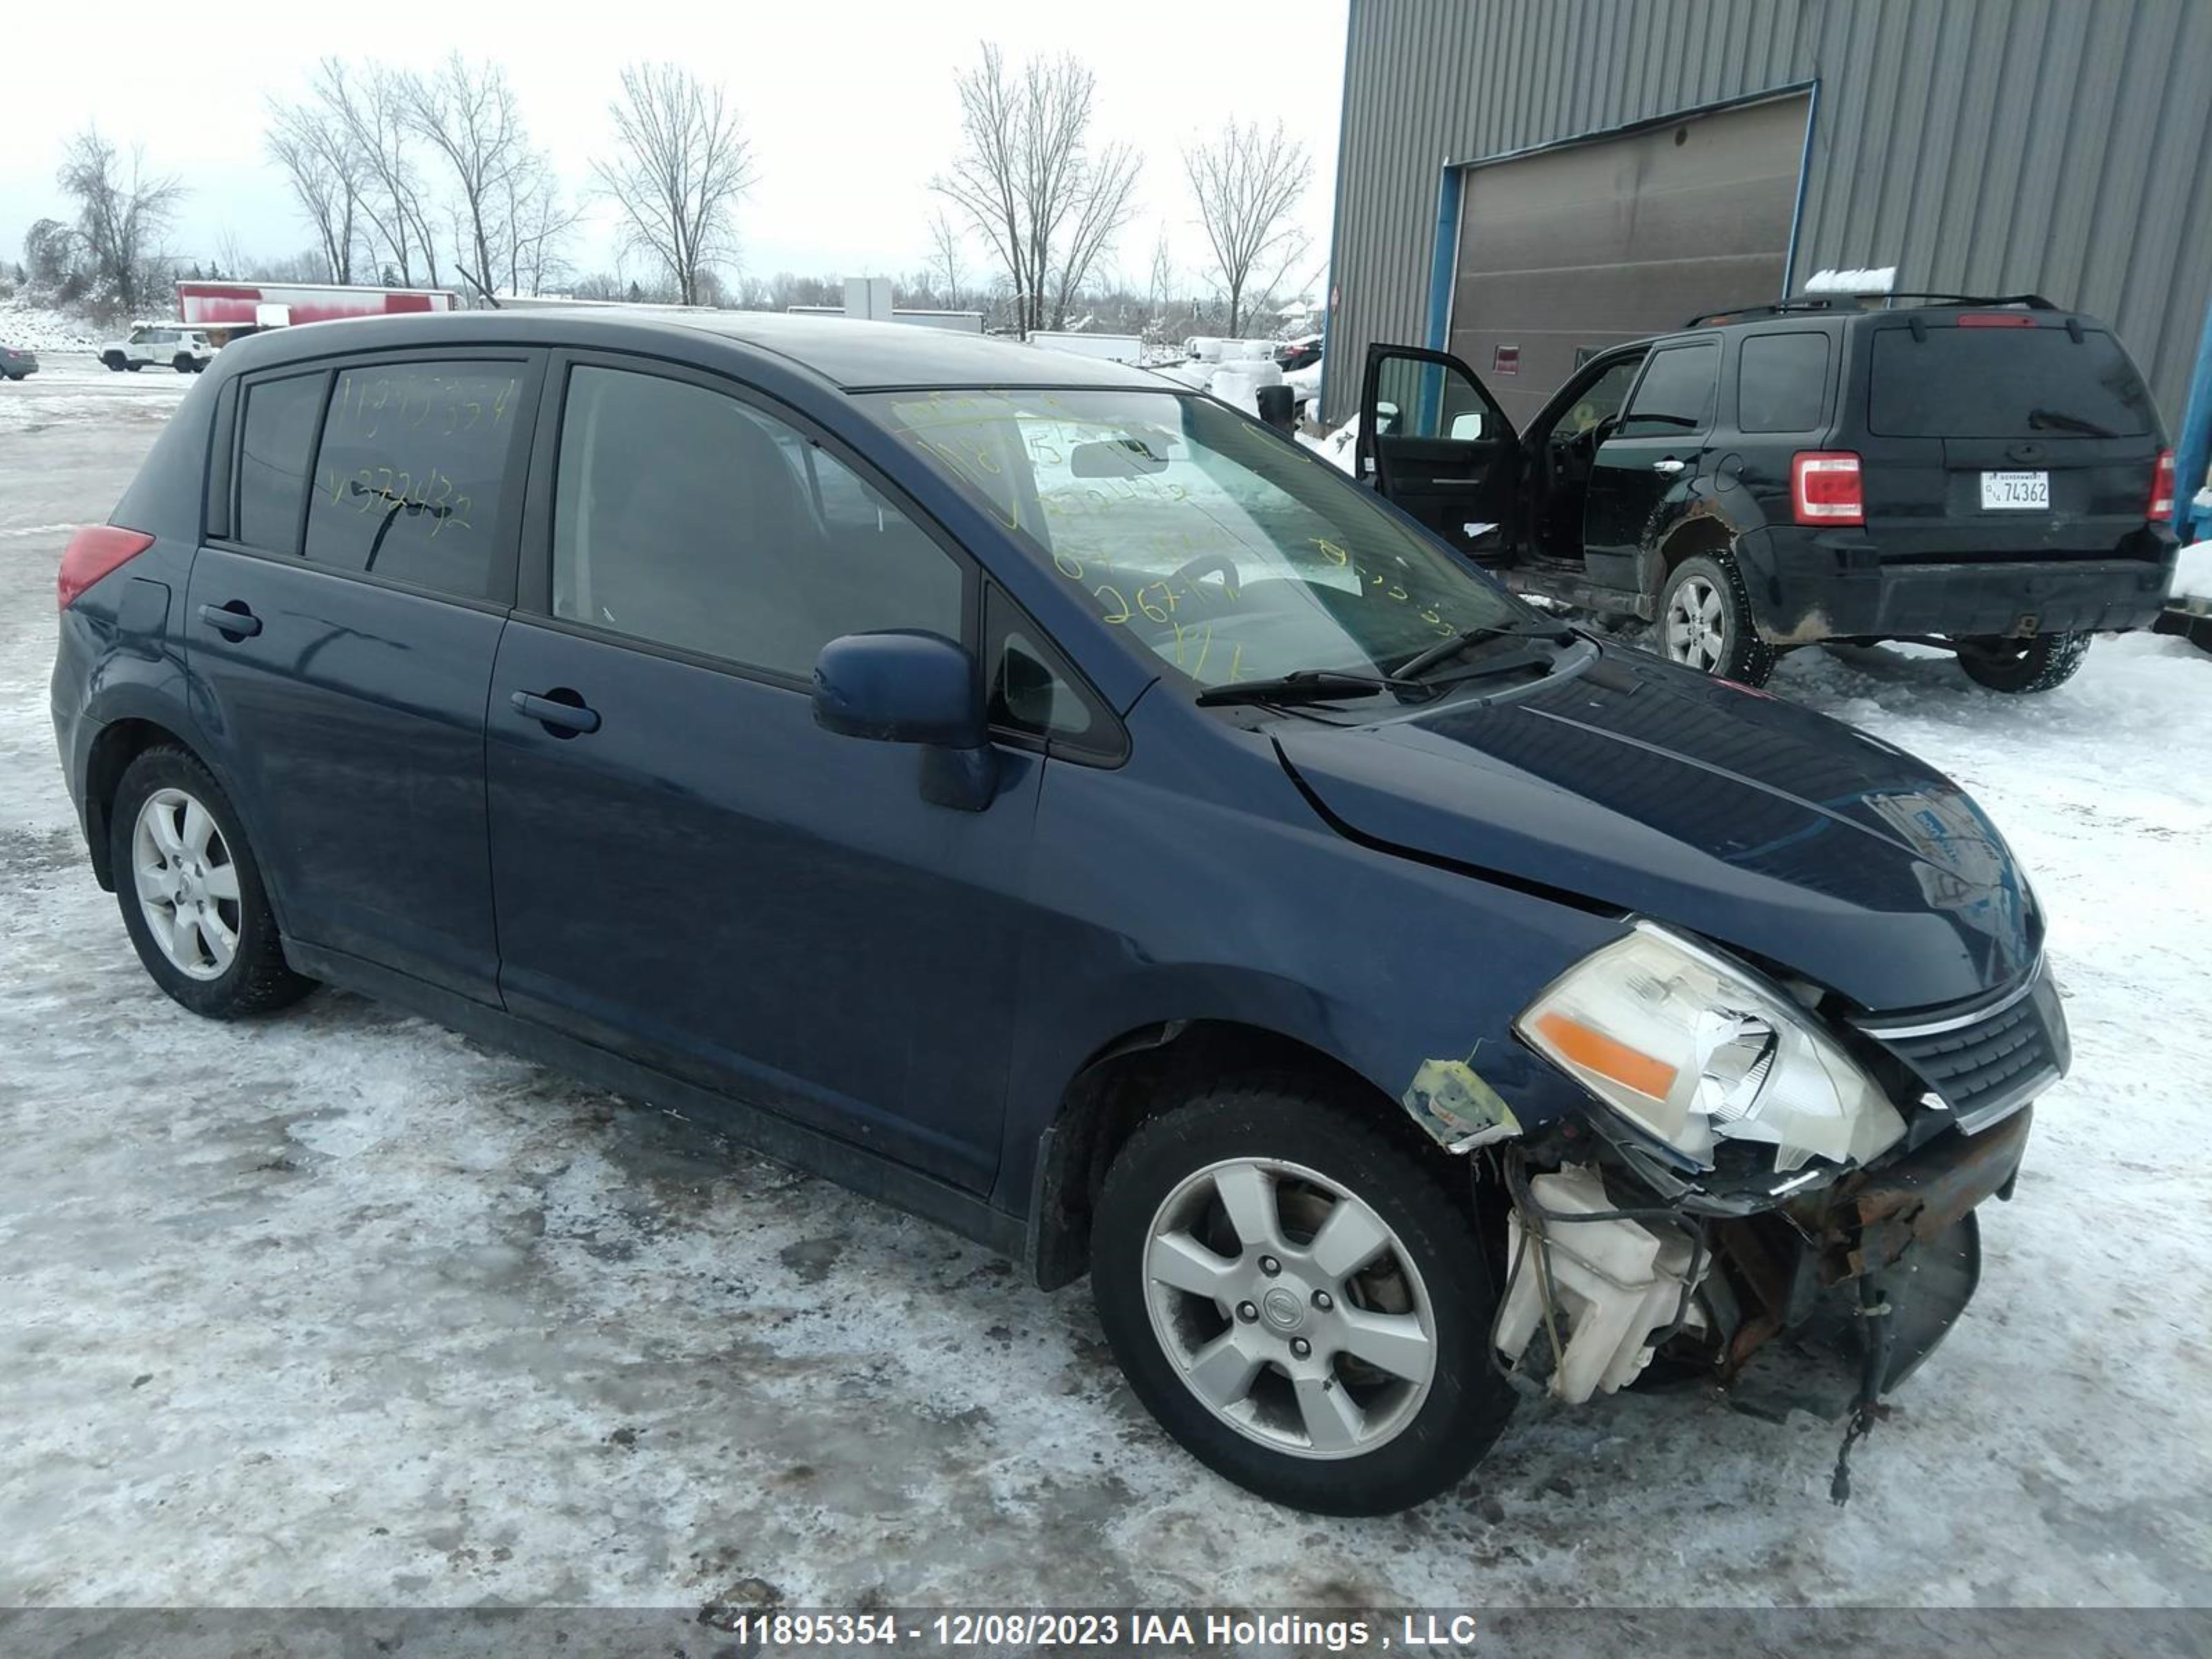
point(1825, 486)
point(2161, 487)
point(93, 552)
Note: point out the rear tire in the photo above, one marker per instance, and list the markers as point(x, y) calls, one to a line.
point(183, 365)
point(134, 368)
point(1704, 621)
point(182, 865)
point(1393, 1399)
point(2019, 666)
point(114, 362)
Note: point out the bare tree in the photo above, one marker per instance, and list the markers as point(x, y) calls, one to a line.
point(121, 213)
point(681, 167)
point(945, 257)
point(503, 200)
point(374, 111)
point(311, 143)
point(1027, 180)
point(538, 227)
point(1248, 182)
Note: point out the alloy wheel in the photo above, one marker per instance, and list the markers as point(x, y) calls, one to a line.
point(1290, 1307)
point(1696, 627)
point(187, 883)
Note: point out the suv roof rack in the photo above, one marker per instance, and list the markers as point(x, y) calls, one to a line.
point(1815, 302)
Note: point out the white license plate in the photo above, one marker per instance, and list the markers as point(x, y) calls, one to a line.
point(2003, 490)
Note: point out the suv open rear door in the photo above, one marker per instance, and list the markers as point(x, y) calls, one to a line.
point(1434, 440)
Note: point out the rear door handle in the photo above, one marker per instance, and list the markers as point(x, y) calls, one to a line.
point(560, 712)
point(233, 621)
point(1670, 465)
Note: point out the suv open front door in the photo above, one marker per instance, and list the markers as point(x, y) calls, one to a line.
point(1434, 440)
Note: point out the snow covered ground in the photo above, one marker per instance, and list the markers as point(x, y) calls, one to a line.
point(341, 1308)
point(42, 329)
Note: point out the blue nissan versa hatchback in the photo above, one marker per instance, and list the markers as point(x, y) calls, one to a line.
point(1051, 801)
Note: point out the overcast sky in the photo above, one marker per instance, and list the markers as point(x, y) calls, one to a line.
point(850, 106)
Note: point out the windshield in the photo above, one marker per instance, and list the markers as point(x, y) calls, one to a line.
point(1216, 545)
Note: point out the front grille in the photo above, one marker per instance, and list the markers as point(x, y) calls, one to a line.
point(1985, 1065)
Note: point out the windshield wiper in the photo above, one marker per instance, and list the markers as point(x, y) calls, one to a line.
point(1445, 650)
point(1306, 685)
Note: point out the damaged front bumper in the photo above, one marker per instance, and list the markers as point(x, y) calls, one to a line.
point(1598, 1285)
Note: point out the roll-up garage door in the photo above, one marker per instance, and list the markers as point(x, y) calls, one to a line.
point(1573, 249)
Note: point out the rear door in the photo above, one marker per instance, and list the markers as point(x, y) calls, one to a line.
point(2006, 435)
point(1434, 440)
point(341, 620)
point(1644, 472)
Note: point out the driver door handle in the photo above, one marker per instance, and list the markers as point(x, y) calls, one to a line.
point(1670, 465)
point(563, 713)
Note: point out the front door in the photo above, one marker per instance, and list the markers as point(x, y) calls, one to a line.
point(689, 870)
point(341, 624)
point(1434, 440)
point(1645, 471)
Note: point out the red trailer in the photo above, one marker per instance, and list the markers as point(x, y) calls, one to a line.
point(228, 309)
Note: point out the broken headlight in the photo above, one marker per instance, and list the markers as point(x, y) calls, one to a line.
point(1693, 1049)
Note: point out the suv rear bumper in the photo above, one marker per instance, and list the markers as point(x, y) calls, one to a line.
point(1823, 587)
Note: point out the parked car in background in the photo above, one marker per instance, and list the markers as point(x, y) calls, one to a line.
point(1036, 793)
point(1986, 475)
point(15, 363)
point(1300, 353)
point(187, 351)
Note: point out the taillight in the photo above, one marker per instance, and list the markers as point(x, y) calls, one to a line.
point(93, 552)
point(1997, 319)
point(2161, 487)
point(1825, 486)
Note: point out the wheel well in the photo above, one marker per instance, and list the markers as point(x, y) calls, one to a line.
point(1145, 1073)
point(1688, 540)
point(112, 751)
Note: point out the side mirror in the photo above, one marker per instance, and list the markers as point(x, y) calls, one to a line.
point(899, 687)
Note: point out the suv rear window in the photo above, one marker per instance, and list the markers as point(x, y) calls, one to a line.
point(2005, 383)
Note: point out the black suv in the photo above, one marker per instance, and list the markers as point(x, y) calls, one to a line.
point(1987, 475)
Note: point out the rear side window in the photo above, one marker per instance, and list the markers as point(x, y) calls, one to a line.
point(1782, 382)
point(1675, 396)
point(412, 480)
point(2005, 383)
point(276, 443)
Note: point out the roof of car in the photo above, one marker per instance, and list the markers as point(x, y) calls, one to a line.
point(853, 355)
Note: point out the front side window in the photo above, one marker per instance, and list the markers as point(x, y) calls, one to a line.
point(1599, 401)
point(1418, 398)
point(1675, 398)
point(413, 481)
point(1206, 540)
point(687, 518)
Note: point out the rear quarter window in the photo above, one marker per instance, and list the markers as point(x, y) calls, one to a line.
point(1782, 382)
point(412, 483)
point(2008, 382)
point(277, 441)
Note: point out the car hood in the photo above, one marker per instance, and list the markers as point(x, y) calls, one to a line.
point(1636, 785)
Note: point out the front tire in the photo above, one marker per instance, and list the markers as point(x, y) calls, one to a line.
point(190, 891)
point(114, 362)
point(1297, 1301)
point(2023, 665)
point(1704, 621)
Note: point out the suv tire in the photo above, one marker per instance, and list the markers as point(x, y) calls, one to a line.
point(113, 360)
point(2023, 665)
point(183, 365)
point(1184, 1289)
point(1704, 621)
point(182, 863)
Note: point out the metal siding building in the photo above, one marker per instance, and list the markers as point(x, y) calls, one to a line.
point(1980, 146)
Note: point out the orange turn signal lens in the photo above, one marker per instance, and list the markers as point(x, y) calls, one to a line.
point(1594, 1051)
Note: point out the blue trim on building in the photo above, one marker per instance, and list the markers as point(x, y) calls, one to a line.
point(1444, 263)
point(1804, 172)
point(2192, 446)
